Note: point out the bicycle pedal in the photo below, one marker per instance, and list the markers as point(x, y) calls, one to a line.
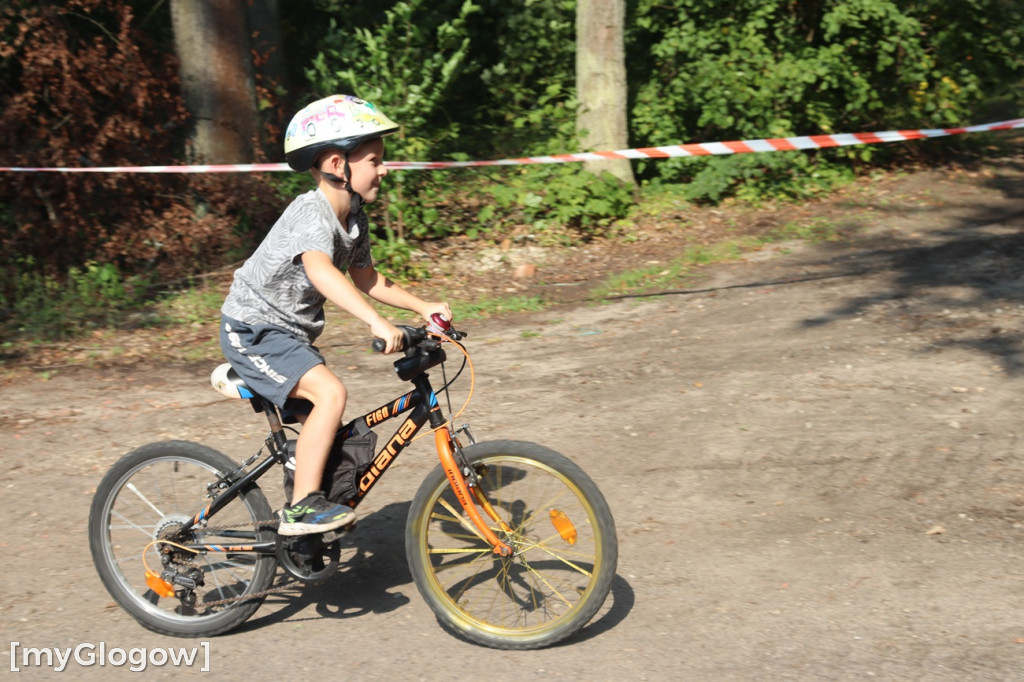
point(332, 535)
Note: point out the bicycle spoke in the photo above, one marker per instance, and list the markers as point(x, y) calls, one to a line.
point(465, 523)
point(148, 532)
point(131, 487)
point(540, 577)
point(170, 479)
point(464, 550)
point(565, 561)
point(559, 571)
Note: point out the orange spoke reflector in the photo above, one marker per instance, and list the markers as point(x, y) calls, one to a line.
point(159, 585)
point(563, 525)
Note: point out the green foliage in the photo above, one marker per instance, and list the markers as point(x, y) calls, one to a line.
point(195, 304)
point(290, 185)
point(405, 66)
point(94, 83)
point(707, 71)
point(414, 83)
point(396, 257)
point(817, 230)
point(485, 307)
point(555, 198)
point(755, 178)
point(527, 69)
point(44, 307)
point(675, 273)
point(671, 275)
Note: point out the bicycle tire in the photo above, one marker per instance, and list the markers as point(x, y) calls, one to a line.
point(550, 588)
point(147, 491)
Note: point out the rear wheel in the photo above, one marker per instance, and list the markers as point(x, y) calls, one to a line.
point(145, 497)
point(561, 531)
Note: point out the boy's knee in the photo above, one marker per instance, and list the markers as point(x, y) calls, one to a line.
point(323, 390)
point(332, 396)
point(335, 397)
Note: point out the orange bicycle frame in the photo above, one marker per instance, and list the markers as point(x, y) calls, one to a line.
point(443, 442)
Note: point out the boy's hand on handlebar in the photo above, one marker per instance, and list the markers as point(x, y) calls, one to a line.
point(431, 307)
point(390, 334)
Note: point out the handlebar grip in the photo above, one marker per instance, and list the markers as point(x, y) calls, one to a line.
point(410, 336)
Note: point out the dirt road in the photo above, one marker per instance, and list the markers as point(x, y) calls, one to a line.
point(814, 459)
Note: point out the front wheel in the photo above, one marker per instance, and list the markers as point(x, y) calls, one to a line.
point(559, 526)
point(143, 500)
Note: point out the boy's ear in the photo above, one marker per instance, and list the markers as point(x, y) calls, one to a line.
point(324, 163)
point(331, 162)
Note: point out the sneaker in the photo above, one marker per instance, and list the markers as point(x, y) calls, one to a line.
point(314, 514)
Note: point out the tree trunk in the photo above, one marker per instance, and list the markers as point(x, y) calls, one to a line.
point(211, 39)
point(601, 83)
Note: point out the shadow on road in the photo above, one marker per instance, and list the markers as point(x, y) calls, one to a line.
point(622, 599)
point(374, 578)
point(954, 283)
point(372, 567)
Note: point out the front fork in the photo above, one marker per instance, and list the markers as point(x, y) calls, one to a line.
point(467, 493)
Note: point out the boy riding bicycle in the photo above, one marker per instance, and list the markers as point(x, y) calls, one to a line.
point(275, 308)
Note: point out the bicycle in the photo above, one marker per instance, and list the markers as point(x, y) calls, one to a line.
point(510, 543)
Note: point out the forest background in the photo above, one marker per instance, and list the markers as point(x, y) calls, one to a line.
point(106, 83)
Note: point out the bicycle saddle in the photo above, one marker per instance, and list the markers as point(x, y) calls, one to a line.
point(227, 382)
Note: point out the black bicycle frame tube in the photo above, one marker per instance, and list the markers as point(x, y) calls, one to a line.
point(384, 412)
point(232, 491)
point(424, 406)
point(422, 410)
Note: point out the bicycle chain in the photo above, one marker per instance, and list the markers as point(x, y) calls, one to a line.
point(272, 524)
point(255, 595)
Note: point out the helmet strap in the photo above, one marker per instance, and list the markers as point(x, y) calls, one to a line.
point(346, 182)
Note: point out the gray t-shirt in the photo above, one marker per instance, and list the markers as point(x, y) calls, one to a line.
point(272, 286)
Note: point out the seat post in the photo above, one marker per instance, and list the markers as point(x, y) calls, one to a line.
point(274, 419)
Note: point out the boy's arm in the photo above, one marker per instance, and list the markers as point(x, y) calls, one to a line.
point(333, 284)
point(382, 289)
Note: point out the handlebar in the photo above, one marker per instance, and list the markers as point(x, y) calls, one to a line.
point(413, 336)
point(422, 350)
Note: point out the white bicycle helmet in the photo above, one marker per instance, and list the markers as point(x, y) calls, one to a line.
point(341, 122)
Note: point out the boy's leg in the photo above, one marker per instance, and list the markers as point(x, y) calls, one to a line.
point(322, 388)
point(312, 513)
point(269, 358)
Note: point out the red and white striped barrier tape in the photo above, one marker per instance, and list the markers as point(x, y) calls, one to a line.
point(682, 150)
point(736, 147)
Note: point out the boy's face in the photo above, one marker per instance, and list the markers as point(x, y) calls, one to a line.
point(366, 164)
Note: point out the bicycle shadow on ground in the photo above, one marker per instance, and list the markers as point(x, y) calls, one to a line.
point(620, 602)
point(372, 566)
point(622, 598)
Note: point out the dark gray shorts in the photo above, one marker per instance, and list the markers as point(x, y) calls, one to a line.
point(269, 358)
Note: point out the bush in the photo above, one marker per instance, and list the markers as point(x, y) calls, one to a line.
point(88, 89)
point(45, 307)
point(705, 71)
point(551, 199)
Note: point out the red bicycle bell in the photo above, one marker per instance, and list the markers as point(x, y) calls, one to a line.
point(439, 324)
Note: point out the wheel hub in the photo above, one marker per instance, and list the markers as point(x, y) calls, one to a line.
point(167, 527)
